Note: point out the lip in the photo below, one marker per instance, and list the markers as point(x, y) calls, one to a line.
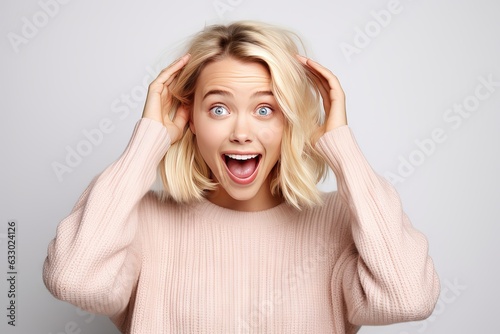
point(235, 179)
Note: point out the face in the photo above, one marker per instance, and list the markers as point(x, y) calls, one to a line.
point(238, 127)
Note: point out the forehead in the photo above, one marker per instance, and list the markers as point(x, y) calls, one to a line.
point(233, 74)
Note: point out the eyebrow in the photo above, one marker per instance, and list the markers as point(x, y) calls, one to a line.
point(227, 93)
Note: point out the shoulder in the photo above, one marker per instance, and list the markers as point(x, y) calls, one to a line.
point(154, 207)
point(155, 200)
point(329, 202)
point(159, 215)
point(331, 211)
point(332, 221)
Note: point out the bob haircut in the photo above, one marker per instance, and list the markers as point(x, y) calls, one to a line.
point(184, 173)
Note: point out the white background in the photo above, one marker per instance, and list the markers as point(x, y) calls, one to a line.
point(74, 67)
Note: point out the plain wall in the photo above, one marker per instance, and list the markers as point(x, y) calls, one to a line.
point(418, 101)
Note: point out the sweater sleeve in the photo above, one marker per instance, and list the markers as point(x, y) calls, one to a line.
point(94, 260)
point(386, 273)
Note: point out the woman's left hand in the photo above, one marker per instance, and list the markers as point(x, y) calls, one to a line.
point(331, 93)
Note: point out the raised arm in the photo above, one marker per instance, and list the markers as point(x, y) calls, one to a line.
point(385, 274)
point(95, 259)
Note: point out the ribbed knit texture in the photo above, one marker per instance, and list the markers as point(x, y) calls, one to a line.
point(161, 267)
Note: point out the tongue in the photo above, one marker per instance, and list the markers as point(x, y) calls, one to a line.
point(242, 168)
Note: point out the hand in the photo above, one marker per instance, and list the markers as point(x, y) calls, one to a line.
point(331, 93)
point(159, 101)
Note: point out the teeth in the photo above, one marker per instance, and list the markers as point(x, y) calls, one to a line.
point(242, 156)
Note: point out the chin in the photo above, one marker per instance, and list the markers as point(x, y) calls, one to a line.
point(241, 196)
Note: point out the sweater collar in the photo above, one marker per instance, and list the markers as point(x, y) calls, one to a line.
point(209, 211)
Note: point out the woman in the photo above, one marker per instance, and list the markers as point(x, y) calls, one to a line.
point(241, 240)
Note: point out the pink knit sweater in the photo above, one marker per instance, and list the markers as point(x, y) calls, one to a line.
point(156, 267)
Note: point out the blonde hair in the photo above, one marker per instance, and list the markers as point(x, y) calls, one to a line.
point(184, 173)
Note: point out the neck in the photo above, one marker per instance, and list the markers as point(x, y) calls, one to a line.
point(263, 200)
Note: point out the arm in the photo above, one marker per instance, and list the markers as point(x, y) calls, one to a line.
point(387, 276)
point(94, 260)
point(386, 273)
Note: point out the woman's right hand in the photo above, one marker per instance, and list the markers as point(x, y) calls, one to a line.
point(159, 100)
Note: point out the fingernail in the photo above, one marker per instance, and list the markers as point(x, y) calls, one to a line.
point(182, 58)
point(302, 59)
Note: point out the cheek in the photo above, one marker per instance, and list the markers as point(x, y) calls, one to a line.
point(209, 140)
point(205, 131)
point(271, 133)
point(207, 145)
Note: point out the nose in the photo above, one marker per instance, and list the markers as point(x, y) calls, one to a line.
point(242, 130)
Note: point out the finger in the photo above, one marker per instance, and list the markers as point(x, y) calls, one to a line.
point(167, 73)
point(302, 59)
point(320, 81)
point(333, 96)
point(160, 84)
point(331, 79)
point(330, 88)
point(174, 66)
point(308, 64)
point(323, 90)
point(158, 97)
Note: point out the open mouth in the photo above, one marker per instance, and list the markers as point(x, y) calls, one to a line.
point(242, 168)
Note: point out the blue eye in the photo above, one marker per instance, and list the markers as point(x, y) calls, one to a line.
point(264, 111)
point(219, 111)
